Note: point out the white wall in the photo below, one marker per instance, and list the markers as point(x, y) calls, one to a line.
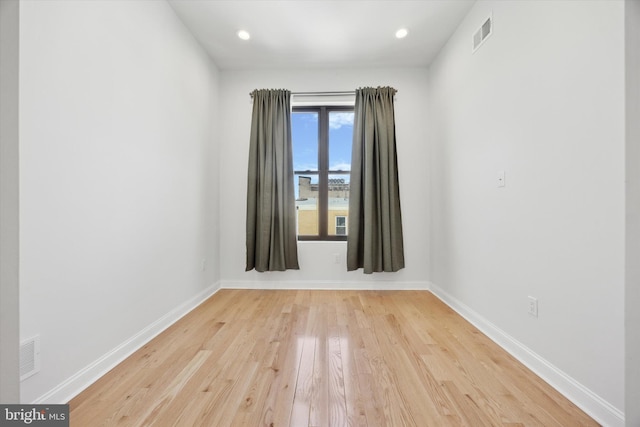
point(9, 212)
point(317, 260)
point(118, 185)
point(543, 100)
point(632, 295)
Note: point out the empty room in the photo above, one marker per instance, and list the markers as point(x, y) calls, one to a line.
point(320, 213)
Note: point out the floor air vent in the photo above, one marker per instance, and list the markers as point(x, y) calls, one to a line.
point(29, 357)
point(483, 33)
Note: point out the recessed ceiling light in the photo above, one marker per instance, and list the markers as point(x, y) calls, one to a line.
point(244, 35)
point(402, 33)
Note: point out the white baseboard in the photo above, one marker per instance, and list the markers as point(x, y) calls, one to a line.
point(71, 387)
point(598, 408)
point(326, 285)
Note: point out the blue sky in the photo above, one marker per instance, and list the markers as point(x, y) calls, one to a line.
point(304, 126)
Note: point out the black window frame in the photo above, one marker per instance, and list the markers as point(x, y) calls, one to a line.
point(323, 171)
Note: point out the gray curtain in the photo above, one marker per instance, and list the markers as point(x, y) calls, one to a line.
point(374, 241)
point(271, 221)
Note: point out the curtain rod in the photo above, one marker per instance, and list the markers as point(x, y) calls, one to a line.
point(343, 93)
point(350, 92)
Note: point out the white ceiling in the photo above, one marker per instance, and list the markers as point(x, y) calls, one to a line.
point(321, 33)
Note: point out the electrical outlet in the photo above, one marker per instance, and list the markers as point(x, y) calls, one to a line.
point(533, 307)
point(203, 264)
point(336, 258)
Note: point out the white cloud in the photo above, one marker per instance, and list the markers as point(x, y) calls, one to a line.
point(304, 166)
point(337, 120)
point(341, 166)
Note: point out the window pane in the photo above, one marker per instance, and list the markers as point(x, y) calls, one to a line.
point(306, 191)
point(338, 204)
point(304, 137)
point(340, 140)
point(341, 225)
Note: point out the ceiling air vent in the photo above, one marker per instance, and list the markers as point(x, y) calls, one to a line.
point(483, 33)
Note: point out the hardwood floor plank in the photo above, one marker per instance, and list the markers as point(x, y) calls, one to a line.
point(304, 382)
point(322, 358)
point(319, 395)
point(467, 408)
point(337, 400)
point(353, 395)
point(173, 394)
point(282, 393)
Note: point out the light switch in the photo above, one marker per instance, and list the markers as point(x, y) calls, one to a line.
point(501, 182)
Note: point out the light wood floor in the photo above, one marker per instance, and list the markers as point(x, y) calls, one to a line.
point(322, 358)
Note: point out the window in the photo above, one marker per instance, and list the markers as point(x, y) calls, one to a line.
point(341, 225)
point(322, 138)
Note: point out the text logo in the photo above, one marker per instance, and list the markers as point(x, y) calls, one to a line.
point(34, 415)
